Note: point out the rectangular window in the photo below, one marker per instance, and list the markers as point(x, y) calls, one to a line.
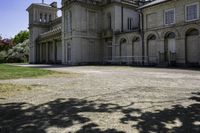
point(130, 24)
point(192, 12)
point(169, 17)
point(69, 21)
point(66, 21)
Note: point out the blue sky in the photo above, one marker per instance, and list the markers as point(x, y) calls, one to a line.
point(13, 15)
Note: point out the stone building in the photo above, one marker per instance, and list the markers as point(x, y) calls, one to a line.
point(161, 32)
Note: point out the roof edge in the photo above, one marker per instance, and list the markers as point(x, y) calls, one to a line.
point(150, 4)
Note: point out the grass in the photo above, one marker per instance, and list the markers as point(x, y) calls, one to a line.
point(11, 89)
point(15, 72)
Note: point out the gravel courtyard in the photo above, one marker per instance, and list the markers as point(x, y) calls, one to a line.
point(105, 99)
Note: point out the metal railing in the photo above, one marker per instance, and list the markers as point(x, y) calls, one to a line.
point(169, 58)
point(131, 60)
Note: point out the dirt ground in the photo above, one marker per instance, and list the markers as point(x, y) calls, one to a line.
point(104, 99)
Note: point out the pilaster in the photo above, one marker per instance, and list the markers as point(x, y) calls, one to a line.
point(47, 52)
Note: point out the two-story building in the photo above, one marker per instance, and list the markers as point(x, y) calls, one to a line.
point(84, 34)
point(171, 30)
point(161, 32)
point(169, 33)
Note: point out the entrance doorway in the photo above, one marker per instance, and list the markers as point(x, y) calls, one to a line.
point(192, 47)
point(170, 48)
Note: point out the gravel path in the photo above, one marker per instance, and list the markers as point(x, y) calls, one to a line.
point(103, 99)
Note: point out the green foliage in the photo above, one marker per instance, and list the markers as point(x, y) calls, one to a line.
point(18, 53)
point(21, 37)
point(15, 50)
point(3, 55)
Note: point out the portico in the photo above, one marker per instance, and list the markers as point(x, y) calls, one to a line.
point(49, 48)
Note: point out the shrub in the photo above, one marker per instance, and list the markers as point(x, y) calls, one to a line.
point(3, 55)
point(18, 53)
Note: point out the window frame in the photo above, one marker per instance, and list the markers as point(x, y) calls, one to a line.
point(192, 4)
point(130, 24)
point(165, 11)
point(41, 17)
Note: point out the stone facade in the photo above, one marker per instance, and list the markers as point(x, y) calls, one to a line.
point(115, 31)
point(185, 51)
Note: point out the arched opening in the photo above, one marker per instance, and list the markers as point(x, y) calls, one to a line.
point(109, 47)
point(41, 17)
point(170, 47)
point(136, 47)
point(67, 51)
point(192, 47)
point(122, 47)
point(151, 48)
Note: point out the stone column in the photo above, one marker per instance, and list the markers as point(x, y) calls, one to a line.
point(47, 52)
point(54, 58)
point(161, 50)
point(113, 47)
point(145, 51)
point(40, 58)
point(36, 53)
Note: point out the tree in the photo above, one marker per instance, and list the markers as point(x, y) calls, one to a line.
point(21, 37)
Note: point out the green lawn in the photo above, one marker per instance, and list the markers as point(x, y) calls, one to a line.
point(14, 72)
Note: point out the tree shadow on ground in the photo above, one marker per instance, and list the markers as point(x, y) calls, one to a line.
point(62, 113)
point(22, 117)
point(178, 119)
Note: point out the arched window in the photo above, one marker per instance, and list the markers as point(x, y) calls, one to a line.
point(41, 17)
